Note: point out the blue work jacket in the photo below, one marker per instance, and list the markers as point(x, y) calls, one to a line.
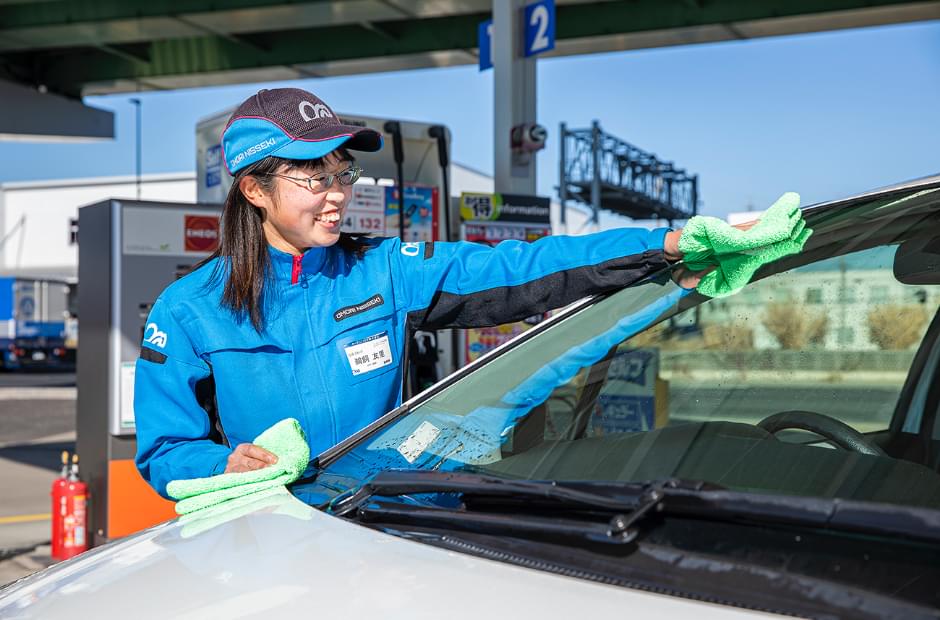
point(336, 326)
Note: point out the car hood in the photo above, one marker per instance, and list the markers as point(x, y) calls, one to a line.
point(276, 557)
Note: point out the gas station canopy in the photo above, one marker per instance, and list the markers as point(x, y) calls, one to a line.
point(82, 47)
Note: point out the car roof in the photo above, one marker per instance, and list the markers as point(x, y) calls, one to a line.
point(912, 186)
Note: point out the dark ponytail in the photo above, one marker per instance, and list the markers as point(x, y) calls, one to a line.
point(243, 249)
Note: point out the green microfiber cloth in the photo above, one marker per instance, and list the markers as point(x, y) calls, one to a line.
point(285, 439)
point(705, 237)
point(734, 271)
point(279, 498)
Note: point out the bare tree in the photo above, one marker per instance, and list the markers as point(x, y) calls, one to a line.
point(896, 327)
point(793, 327)
point(817, 328)
point(728, 337)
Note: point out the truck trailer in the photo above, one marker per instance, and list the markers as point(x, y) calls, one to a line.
point(37, 323)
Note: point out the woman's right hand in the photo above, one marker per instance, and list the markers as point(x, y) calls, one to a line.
point(249, 457)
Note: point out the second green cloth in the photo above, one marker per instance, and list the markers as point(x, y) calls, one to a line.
point(285, 439)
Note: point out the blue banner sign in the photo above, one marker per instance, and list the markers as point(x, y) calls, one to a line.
point(485, 43)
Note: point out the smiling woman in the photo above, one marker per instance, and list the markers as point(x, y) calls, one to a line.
point(312, 206)
point(269, 204)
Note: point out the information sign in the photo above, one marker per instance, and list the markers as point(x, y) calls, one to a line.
point(490, 219)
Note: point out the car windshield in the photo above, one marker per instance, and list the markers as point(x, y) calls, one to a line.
point(818, 379)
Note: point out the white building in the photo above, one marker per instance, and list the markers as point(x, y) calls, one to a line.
point(846, 289)
point(38, 219)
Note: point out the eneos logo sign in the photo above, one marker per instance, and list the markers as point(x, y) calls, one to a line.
point(201, 233)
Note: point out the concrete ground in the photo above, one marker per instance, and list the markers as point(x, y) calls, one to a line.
point(37, 422)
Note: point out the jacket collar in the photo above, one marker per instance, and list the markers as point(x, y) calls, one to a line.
point(287, 268)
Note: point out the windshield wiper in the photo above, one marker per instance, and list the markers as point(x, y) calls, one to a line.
point(613, 532)
point(626, 504)
point(400, 482)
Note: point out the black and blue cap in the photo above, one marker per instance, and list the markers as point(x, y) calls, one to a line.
point(290, 123)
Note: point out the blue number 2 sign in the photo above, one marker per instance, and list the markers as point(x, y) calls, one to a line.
point(539, 32)
point(539, 27)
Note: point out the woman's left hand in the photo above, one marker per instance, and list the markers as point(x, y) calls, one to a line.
point(249, 457)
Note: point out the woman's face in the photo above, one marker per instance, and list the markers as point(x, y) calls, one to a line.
point(298, 217)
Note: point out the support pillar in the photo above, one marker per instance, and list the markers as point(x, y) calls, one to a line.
point(513, 98)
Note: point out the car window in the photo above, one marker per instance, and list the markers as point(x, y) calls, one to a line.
point(836, 337)
point(656, 381)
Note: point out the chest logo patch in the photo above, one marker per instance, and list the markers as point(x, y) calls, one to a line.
point(369, 353)
point(344, 313)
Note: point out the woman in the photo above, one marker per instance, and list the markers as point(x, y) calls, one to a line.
point(292, 318)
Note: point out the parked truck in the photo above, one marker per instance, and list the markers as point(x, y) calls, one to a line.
point(37, 323)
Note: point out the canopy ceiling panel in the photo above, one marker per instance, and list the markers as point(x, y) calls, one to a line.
point(80, 47)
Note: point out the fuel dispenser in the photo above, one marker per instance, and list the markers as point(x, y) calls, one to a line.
point(129, 251)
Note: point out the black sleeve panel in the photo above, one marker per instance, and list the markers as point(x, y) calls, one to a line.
point(505, 304)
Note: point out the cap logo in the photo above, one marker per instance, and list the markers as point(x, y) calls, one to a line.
point(316, 111)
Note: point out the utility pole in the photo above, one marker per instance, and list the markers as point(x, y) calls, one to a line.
point(136, 103)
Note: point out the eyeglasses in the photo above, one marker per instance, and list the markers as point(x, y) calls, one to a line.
point(321, 182)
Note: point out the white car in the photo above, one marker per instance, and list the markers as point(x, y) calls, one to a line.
point(650, 453)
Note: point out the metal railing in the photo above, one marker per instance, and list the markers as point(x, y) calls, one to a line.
point(605, 172)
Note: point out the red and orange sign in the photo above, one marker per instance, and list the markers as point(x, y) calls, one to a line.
point(201, 233)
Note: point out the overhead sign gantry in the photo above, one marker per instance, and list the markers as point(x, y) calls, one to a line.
point(605, 172)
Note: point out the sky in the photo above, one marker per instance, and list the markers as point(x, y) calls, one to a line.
point(826, 115)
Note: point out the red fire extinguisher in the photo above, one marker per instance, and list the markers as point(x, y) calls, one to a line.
point(58, 489)
point(70, 511)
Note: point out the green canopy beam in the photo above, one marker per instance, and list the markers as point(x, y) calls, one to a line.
point(123, 50)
